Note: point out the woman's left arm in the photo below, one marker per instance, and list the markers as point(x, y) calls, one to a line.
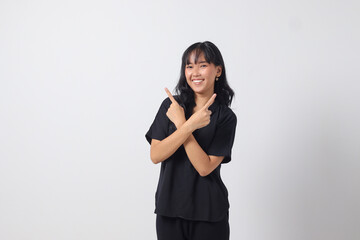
point(203, 163)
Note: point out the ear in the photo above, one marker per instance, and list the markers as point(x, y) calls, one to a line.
point(218, 71)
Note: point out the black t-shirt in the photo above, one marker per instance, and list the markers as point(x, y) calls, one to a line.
point(181, 191)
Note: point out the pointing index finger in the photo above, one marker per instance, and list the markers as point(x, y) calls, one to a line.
point(210, 101)
point(170, 96)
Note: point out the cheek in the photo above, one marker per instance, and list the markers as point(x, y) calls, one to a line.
point(209, 74)
point(213, 73)
point(187, 75)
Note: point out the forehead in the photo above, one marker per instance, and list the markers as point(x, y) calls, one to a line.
point(196, 56)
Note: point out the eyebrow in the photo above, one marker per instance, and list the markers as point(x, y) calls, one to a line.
point(197, 62)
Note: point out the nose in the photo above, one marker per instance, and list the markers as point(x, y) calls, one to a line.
point(196, 71)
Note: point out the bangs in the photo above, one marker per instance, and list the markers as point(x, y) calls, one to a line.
point(198, 50)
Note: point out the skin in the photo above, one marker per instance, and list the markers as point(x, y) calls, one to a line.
point(204, 97)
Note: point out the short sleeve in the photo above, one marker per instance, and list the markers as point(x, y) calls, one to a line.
point(159, 128)
point(224, 136)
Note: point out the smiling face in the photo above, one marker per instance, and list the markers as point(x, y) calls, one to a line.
point(200, 75)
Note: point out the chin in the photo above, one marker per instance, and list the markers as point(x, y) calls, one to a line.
point(199, 91)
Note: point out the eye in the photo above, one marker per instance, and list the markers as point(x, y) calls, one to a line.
point(204, 65)
point(188, 66)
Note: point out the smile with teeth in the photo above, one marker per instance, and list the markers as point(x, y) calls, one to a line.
point(197, 81)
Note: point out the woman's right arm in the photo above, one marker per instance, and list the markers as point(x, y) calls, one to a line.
point(162, 150)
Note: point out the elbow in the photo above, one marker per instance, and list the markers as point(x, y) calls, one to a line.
point(154, 158)
point(155, 161)
point(154, 154)
point(203, 172)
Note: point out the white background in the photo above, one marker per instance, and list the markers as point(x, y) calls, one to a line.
point(81, 82)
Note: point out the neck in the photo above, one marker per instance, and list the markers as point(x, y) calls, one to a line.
point(201, 99)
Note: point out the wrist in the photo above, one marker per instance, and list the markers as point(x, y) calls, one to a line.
point(188, 126)
point(179, 123)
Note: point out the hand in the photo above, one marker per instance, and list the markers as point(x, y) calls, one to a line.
point(201, 118)
point(175, 113)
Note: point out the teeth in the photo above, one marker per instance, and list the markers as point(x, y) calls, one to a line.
point(197, 81)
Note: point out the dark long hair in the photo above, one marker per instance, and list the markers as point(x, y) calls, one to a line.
point(224, 94)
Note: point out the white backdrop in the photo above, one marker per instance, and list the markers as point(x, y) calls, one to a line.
point(81, 81)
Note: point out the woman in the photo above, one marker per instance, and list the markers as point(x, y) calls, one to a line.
point(192, 134)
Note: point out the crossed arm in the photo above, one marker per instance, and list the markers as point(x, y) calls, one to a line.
point(161, 150)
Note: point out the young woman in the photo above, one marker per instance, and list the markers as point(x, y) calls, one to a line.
point(192, 135)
